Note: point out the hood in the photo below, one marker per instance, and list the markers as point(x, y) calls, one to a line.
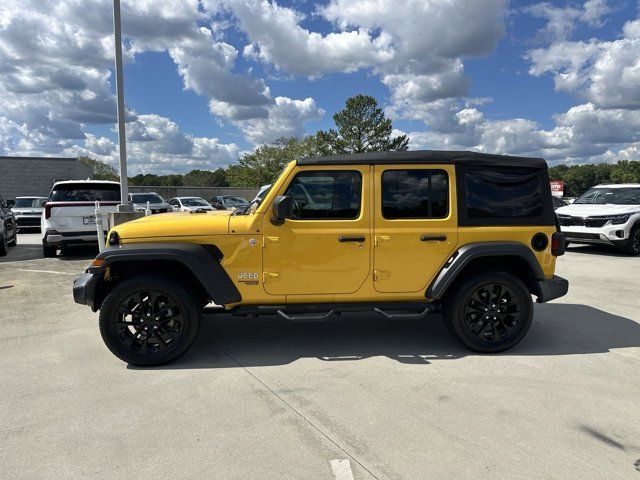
point(593, 210)
point(175, 225)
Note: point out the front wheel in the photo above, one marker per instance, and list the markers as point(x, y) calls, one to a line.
point(633, 247)
point(149, 320)
point(489, 312)
point(48, 251)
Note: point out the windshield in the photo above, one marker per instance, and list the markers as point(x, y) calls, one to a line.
point(194, 202)
point(85, 192)
point(32, 202)
point(146, 197)
point(615, 196)
point(235, 201)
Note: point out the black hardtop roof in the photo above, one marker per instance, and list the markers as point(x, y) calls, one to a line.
point(427, 157)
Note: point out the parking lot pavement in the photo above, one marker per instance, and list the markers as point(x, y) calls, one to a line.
point(263, 398)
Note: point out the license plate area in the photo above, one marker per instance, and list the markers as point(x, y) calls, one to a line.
point(90, 220)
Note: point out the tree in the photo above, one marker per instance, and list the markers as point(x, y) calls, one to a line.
point(99, 170)
point(361, 127)
point(578, 178)
point(206, 178)
point(263, 165)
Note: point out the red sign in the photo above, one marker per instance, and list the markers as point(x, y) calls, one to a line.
point(557, 188)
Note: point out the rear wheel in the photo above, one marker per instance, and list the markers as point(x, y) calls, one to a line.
point(149, 320)
point(49, 251)
point(489, 312)
point(633, 247)
point(4, 247)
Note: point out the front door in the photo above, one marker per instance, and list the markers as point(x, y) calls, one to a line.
point(415, 228)
point(325, 247)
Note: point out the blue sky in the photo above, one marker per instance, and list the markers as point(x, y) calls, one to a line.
point(208, 80)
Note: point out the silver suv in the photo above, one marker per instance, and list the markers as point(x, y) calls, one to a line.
point(605, 214)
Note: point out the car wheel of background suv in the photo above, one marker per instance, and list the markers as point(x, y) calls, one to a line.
point(4, 247)
point(633, 247)
point(49, 251)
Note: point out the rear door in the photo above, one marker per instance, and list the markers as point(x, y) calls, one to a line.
point(71, 206)
point(415, 226)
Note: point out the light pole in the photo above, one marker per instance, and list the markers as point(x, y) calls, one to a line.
point(122, 139)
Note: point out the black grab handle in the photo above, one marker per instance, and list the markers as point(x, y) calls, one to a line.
point(433, 238)
point(342, 239)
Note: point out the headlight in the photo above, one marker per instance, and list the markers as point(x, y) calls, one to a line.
point(619, 219)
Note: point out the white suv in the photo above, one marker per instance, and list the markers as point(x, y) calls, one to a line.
point(69, 214)
point(605, 214)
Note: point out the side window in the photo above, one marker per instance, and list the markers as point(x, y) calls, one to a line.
point(503, 194)
point(415, 194)
point(326, 195)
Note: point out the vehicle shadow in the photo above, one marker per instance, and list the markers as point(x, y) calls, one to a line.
point(605, 250)
point(22, 252)
point(230, 342)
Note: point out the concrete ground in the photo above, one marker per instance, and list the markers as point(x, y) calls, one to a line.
point(357, 395)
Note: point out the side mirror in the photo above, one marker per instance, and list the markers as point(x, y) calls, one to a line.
point(282, 209)
point(11, 203)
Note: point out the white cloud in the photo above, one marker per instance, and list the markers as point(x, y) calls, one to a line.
point(286, 119)
point(562, 21)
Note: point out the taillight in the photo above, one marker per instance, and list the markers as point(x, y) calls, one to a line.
point(47, 210)
point(558, 244)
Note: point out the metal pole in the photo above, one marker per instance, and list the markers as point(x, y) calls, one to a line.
point(122, 139)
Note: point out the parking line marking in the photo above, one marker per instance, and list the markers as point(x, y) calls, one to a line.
point(45, 271)
point(342, 469)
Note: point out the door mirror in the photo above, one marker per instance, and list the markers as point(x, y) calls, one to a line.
point(11, 203)
point(282, 209)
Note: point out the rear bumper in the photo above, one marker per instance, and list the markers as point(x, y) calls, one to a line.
point(84, 289)
point(71, 238)
point(552, 288)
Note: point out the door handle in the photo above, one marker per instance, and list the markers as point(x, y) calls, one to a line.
point(433, 238)
point(343, 239)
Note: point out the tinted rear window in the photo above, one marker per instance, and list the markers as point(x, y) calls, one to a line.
point(30, 202)
point(415, 194)
point(85, 192)
point(503, 194)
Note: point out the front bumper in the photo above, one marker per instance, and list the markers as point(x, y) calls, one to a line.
point(27, 221)
point(71, 238)
point(606, 235)
point(84, 289)
point(552, 288)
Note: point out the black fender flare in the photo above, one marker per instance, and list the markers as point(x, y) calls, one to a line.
point(472, 251)
point(200, 260)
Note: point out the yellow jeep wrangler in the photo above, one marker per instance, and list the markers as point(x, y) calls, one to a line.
point(399, 234)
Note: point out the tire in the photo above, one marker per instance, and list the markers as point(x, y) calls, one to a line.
point(633, 247)
point(142, 341)
point(4, 247)
point(503, 326)
point(48, 251)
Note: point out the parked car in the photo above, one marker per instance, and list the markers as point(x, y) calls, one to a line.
point(8, 228)
point(156, 202)
point(28, 211)
point(190, 204)
point(400, 234)
point(558, 202)
point(605, 214)
point(228, 202)
point(262, 192)
point(69, 218)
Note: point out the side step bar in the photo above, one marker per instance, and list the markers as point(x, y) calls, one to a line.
point(306, 317)
point(405, 315)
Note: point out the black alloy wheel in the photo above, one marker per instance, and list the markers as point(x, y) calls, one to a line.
point(149, 321)
point(489, 312)
point(633, 247)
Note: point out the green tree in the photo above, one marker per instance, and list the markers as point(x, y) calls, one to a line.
point(263, 165)
point(99, 170)
point(206, 178)
point(361, 127)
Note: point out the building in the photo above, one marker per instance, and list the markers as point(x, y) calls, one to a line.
point(24, 176)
